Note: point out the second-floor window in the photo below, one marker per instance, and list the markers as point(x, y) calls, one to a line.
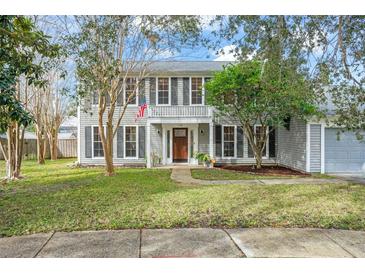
point(163, 91)
point(196, 91)
point(131, 90)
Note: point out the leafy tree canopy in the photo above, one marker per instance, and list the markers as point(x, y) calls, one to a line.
point(20, 44)
point(328, 50)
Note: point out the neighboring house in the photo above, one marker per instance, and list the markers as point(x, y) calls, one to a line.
point(178, 123)
point(69, 125)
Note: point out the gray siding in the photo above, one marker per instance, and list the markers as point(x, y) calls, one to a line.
point(156, 140)
point(174, 90)
point(90, 118)
point(315, 148)
point(291, 145)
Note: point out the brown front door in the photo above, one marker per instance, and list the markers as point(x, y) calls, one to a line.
point(180, 145)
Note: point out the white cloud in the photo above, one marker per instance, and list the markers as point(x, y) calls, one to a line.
point(227, 53)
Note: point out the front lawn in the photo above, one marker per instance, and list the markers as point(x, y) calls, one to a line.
point(57, 198)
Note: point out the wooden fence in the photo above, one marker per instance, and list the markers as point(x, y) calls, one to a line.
point(67, 148)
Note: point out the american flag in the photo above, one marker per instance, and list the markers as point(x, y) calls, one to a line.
point(141, 109)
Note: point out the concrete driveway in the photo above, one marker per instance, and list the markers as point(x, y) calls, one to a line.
point(188, 242)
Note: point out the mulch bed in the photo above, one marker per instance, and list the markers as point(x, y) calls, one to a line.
point(265, 170)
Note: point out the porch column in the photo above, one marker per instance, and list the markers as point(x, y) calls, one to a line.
point(211, 140)
point(164, 145)
point(148, 145)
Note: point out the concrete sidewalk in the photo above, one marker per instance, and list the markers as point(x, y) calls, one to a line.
point(189, 242)
point(183, 175)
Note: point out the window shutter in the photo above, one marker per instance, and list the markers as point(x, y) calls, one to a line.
point(88, 142)
point(272, 143)
point(142, 92)
point(152, 91)
point(141, 142)
point(120, 142)
point(186, 91)
point(239, 142)
point(218, 141)
point(174, 91)
point(206, 79)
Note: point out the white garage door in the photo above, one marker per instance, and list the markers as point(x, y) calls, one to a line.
point(346, 154)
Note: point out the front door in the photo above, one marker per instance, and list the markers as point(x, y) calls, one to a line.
point(180, 145)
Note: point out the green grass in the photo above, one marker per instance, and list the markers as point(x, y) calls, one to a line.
point(225, 174)
point(57, 198)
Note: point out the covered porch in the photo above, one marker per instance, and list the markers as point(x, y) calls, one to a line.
point(173, 142)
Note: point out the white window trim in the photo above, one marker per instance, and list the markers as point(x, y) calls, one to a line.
point(125, 91)
point(157, 100)
point(234, 142)
point(125, 142)
point(92, 142)
point(191, 90)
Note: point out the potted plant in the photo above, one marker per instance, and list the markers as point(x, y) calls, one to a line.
point(204, 158)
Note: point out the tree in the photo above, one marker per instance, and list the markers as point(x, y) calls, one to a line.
point(50, 103)
point(328, 49)
point(112, 49)
point(56, 107)
point(20, 43)
point(253, 93)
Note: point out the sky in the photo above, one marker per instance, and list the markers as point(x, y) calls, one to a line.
point(201, 53)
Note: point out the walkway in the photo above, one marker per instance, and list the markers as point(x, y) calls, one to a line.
point(188, 242)
point(183, 175)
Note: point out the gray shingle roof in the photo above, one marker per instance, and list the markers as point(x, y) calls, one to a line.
point(187, 66)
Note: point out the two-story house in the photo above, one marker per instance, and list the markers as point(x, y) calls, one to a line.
point(178, 122)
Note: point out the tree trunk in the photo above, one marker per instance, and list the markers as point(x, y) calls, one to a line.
point(53, 143)
point(19, 141)
point(11, 158)
point(40, 146)
point(256, 141)
point(258, 159)
point(107, 141)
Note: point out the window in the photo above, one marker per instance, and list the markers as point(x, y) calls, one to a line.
point(196, 91)
point(97, 145)
point(131, 88)
point(163, 91)
point(228, 141)
point(130, 141)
